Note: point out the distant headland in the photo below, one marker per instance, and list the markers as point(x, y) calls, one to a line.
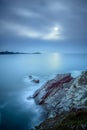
point(11, 53)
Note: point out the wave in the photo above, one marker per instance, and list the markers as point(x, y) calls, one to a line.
point(76, 73)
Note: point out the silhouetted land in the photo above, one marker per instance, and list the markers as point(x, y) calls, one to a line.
point(12, 53)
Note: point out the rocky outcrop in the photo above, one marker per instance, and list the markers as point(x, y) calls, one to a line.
point(65, 99)
point(74, 120)
point(62, 93)
point(34, 80)
point(30, 76)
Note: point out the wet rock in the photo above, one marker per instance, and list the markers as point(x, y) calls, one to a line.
point(53, 91)
point(30, 97)
point(83, 79)
point(36, 93)
point(65, 99)
point(30, 77)
point(63, 93)
point(35, 81)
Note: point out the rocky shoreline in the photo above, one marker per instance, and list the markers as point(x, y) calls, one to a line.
point(64, 98)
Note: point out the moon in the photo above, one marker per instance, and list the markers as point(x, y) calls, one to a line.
point(55, 29)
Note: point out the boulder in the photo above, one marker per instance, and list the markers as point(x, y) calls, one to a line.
point(30, 77)
point(36, 81)
point(33, 79)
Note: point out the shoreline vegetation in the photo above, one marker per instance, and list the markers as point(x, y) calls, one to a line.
point(12, 53)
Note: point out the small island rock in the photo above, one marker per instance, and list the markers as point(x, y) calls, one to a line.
point(36, 81)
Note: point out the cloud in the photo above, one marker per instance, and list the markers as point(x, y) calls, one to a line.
point(35, 17)
point(28, 32)
point(25, 12)
point(28, 20)
point(54, 34)
point(19, 30)
point(51, 36)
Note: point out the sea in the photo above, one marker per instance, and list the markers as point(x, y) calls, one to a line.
point(17, 112)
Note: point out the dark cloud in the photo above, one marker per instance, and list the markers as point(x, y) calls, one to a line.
point(40, 16)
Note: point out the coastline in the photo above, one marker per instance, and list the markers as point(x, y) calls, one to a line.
point(17, 53)
point(63, 96)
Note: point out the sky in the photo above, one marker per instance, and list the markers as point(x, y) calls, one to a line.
point(43, 25)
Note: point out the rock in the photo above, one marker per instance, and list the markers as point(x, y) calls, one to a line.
point(36, 93)
point(65, 99)
point(62, 93)
point(48, 93)
point(35, 81)
point(74, 120)
point(30, 97)
point(83, 79)
point(30, 77)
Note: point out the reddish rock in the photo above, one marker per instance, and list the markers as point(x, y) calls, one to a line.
point(35, 81)
point(63, 93)
point(41, 94)
point(36, 93)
